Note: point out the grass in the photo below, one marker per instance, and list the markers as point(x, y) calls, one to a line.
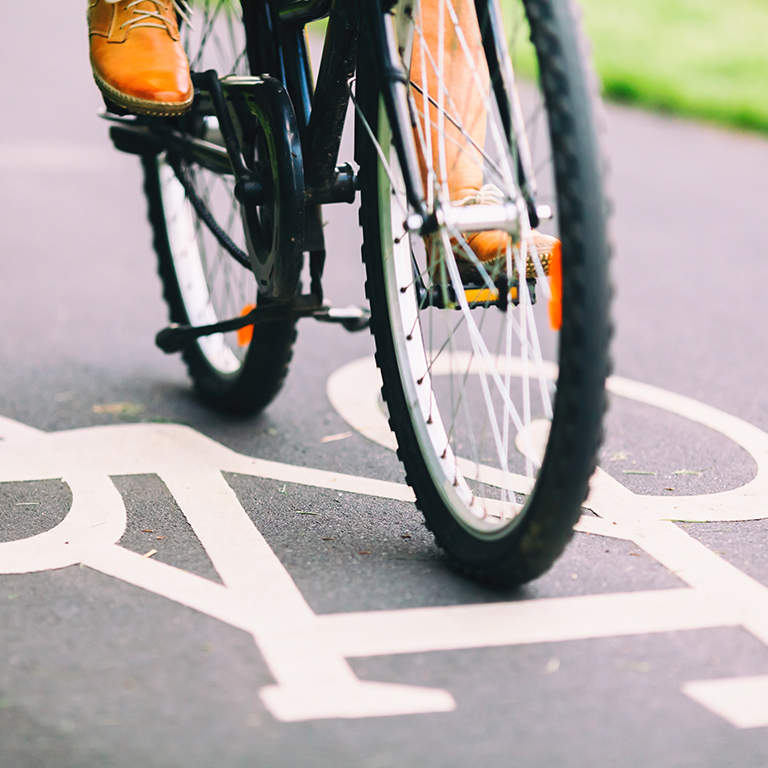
point(700, 58)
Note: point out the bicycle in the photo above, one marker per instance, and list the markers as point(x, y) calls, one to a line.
point(498, 440)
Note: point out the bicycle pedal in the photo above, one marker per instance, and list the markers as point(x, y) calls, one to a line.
point(482, 296)
point(134, 139)
point(352, 318)
point(477, 296)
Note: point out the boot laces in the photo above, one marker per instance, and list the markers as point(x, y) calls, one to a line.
point(147, 18)
point(488, 194)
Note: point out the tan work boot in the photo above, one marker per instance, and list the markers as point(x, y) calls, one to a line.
point(137, 57)
point(461, 167)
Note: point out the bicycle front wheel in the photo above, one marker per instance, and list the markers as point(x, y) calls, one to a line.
point(198, 223)
point(494, 382)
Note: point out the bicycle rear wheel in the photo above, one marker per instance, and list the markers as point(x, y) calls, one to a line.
point(241, 371)
point(498, 416)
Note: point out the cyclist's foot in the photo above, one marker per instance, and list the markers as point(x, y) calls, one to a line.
point(490, 248)
point(547, 248)
point(465, 81)
point(137, 57)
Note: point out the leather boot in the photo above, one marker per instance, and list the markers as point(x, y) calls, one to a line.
point(462, 163)
point(137, 57)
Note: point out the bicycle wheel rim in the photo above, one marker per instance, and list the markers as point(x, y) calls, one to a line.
point(213, 286)
point(487, 500)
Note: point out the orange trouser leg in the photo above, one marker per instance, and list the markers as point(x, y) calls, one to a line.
point(463, 99)
point(457, 160)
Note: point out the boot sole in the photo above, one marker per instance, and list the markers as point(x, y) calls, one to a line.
point(141, 106)
point(470, 275)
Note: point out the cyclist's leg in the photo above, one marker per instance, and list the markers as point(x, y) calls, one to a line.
point(461, 165)
point(137, 58)
point(455, 141)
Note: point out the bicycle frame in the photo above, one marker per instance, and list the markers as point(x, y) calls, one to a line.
point(320, 112)
point(235, 188)
point(279, 28)
point(278, 48)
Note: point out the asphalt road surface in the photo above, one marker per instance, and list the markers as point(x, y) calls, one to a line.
point(645, 645)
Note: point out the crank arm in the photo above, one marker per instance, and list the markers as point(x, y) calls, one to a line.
point(138, 138)
point(150, 137)
point(176, 337)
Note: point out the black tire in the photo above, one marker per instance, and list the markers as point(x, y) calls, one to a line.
point(520, 539)
point(202, 282)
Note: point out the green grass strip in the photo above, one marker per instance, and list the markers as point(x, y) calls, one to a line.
point(700, 58)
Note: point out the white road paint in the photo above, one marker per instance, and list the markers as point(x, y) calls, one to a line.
point(354, 393)
point(10, 429)
point(741, 700)
point(312, 680)
point(723, 593)
point(307, 654)
point(380, 633)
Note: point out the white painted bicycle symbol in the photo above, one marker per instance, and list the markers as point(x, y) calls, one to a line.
point(306, 653)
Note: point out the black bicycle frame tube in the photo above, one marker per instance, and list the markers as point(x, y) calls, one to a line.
point(321, 115)
point(286, 20)
point(494, 45)
point(326, 123)
point(298, 73)
point(280, 49)
point(262, 29)
point(304, 11)
point(393, 82)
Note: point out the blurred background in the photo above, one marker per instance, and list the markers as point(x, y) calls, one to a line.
point(700, 58)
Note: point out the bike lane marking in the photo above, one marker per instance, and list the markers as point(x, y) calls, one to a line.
point(313, 680)
point(307, 654)
point(721, 589)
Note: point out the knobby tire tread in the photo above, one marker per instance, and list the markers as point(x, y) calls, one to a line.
point(266, 365)
point(537, 541)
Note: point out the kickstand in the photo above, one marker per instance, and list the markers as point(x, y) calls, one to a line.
point(316, 266)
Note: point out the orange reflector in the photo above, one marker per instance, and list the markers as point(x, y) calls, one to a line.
point(556, 289)
point(244, 335)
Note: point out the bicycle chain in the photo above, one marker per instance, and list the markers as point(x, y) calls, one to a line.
point(224, 240)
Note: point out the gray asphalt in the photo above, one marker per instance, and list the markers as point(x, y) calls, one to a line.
point(96, 672)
